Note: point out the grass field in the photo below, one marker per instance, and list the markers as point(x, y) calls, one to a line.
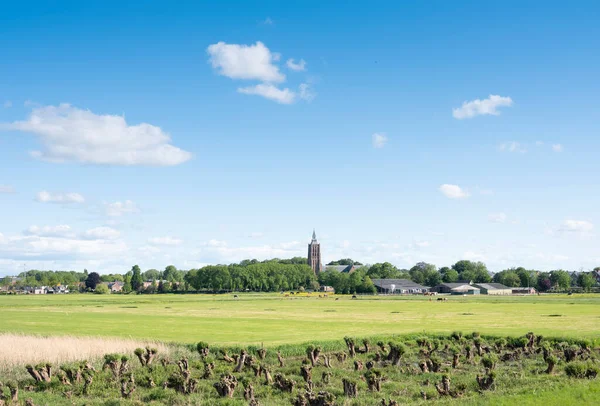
point(274, 319)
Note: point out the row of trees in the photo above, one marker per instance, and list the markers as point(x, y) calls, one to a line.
point(294, 273)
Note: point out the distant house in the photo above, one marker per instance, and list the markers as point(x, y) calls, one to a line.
point(493, 289)
point(457, 288)
point(326, 289)
point(42, 290)
point(341, 268)
point(398, 286)
point(115, 286)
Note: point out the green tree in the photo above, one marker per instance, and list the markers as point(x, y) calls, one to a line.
point(151, 275)
point(472, 271)
point(383, 270)
point(102, 289)
point(449, 275)
point(586, 281)
point(560, 279)
point(508, 277)
point(136, 278)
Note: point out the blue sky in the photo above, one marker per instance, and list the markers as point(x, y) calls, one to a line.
point(209, 133)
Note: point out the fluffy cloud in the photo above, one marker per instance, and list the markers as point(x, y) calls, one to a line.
point(266, 90)
point(489, 106)
point(298, 67)
point(245, 62)
point(35, 247)
point(6, 189)
point(576, 226)
point(63, 198)
point(267, 21)
point(512, 147)
point(453, 191)
point(50, 231)
point(379, 140)
point(169, 241)
point(70, 134)
point(102, 233)
point(117, 209)
point(557, 148)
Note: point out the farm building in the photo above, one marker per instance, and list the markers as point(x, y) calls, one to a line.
point(523, 291)
point(326, 289)
point(493, 289)
point(456, 288)
point(398, 286)
point(447, 287)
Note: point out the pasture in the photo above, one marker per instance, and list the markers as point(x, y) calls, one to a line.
point(272, 319)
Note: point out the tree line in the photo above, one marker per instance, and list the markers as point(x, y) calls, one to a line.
point(294, 273)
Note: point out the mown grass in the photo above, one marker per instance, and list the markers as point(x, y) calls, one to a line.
point(274, 319)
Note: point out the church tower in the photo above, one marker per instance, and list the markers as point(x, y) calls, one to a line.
point(314, 254)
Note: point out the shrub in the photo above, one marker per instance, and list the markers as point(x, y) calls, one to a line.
point(489, 361)
point(101, 289)
point(582, 369)
point(456, 335)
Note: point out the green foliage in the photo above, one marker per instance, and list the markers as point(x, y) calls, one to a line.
point(472, 271)
point(489, 361)
point(102, 289)
point(582, 369)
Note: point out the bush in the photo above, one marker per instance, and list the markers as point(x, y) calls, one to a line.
point(102, 289)
point(489, 361)
point(582, 369)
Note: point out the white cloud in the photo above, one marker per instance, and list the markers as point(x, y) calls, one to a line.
point(557, 148)
point(6, 189)
point(70, 134)
point(62, 230)
point(453, 191)
point(102, 233)
point(170, 241)
point(244, 62)
point(512, 147)
point(489, 106)
point(298, 67)
point(271, 92)
point(267, 21)
point(306, 92)
point(47, 197)
point(117, 209)
point(36, 247)
point(7, 104)
point(420, 244)
point(498, 217)
point(576, 226)
point(379, 140)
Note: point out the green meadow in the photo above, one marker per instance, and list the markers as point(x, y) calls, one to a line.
point(275, 319)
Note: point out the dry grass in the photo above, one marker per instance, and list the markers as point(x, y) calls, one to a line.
point(18, 349)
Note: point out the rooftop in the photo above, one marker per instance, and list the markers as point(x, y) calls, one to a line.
point(398, 284)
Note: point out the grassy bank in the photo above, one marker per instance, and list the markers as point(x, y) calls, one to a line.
point(517, 366)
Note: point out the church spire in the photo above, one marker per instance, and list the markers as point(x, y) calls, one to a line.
point(314, 235)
